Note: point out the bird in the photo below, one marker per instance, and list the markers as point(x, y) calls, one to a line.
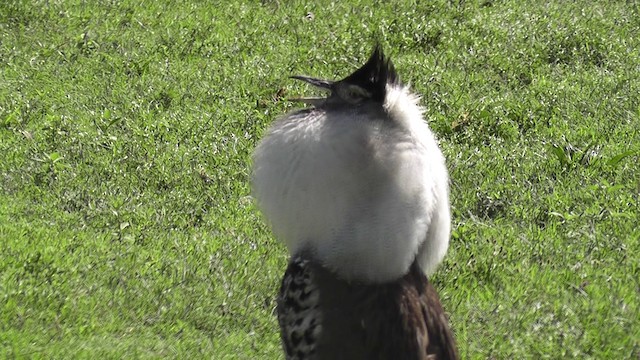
point(356, 187)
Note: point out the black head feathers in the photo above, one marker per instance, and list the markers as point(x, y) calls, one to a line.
point(374, 75)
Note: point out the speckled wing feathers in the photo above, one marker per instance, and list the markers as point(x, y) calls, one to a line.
point(298, 311)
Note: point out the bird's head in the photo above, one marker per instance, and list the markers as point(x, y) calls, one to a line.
point(366, 84)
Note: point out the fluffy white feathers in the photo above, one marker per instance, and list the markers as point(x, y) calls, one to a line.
point(364, 190)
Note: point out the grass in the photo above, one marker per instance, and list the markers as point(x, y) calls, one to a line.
point(126, 128)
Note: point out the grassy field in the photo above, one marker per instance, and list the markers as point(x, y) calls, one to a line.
point(127, 229)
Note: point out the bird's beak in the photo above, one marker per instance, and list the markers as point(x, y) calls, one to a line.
point(323, 84)
point(319, 83)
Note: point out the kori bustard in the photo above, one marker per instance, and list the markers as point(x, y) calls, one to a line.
point(356, 187)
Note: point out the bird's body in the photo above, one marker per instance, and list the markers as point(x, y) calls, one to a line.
point(357, 188)
point(324, 317)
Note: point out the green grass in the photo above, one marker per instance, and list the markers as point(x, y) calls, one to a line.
point(126, 225)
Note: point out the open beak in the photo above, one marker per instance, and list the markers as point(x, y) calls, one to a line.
point(323, 84)
point(319, 83)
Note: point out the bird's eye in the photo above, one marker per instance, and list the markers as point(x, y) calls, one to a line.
point(355, 93)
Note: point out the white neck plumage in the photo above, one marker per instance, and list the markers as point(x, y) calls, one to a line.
point(364, 190)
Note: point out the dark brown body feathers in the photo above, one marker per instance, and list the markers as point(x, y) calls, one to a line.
point(322, 317)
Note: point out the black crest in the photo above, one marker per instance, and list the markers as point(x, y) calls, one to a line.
point(374, 75)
